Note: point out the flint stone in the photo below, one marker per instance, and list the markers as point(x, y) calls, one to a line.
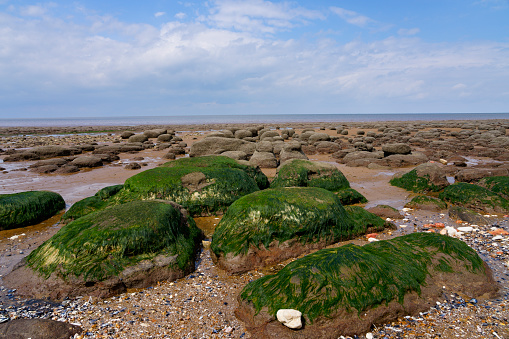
point(290, 318)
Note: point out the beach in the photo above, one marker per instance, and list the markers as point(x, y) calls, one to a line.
point(202, 304)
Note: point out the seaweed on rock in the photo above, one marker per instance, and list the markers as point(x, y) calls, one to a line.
point(365, 221)
point(412, 182)
point(104, 243)
point(475, 197)
point(308, 214)
point(428, 203)
point(305, 173)
point(499, 185)
point(358, 278)
point(28, 208)
point(349, 196)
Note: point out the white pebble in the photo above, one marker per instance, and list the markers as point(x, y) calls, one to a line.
point(290, 318)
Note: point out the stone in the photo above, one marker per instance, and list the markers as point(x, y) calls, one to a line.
point(397, 148)
point(290, 318)
point(138, 138)
point(218, 145)
point(428, 177)
point(38, 329)
point(87, 161)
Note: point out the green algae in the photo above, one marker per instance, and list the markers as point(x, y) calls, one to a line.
point(412, 182)
point(28, 208)
point(474, 197)
point(103, 243)
point(219, 161)
point(499, 185)
point(220, 187)
point(305, 173)
point(365, 220)
point(349, 196)
point(423, 200)
point(308, 214)
point(357, 278)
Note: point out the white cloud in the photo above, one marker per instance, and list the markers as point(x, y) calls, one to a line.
point(408, 31)
point(352, 17)
point(459, 86)
point(33, 10)
point(180, 15)
point(159, 14)
point(258, 15)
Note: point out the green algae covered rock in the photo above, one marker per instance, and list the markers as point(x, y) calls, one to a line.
point(424, 202)
point(28, 208)
point(475, 197)
point(219, 161)
point(202, 186)
point(344, 290)
point(270, 226)
point(349, 196)
point(305, 173)
point(499, 185)
point(365, 221)
point(91, 204)
point(131, 245)
point(427, 177)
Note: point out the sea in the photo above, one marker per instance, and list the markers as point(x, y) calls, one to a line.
point(259, 118)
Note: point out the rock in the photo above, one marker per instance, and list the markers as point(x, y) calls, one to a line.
point(327, 147)
point(38, 329)
point(352, 156)
point(21, 156)
point(217, 145)
point(54, 151)
point(428, 177)
point(242, 133)
point(154, 133)
point(349, 196)
point(87, 161)
point(305, 173)
point(28, 208)
point(290, 318)
point(316, 137)
point(263, 160)
point(366, 221)
point(287, 155)
point(138, 138)
point(164, 137)
point(237, 155)
point(127, 134)
point(497, 184)
point(475, 197)
point(265, 146)
point(416, 267)
point(465, 214)
point(385, 211)
point(133, 166)
point(132, 245)
point(254, 233)
point(398, 148)
point(67, 169)
point(423, 202)
point(53, 162)
point(45, 169)
point(476, 174)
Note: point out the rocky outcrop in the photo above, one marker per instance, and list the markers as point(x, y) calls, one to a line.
point(402, 276)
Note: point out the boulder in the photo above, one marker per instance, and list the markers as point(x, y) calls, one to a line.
point(87, 161)
point(351, 156)
point(475, 197)
point(126, 134)
point(138, 138)
point(349, 196)
point(385, 211)
point(316, 137)
point(242, 133)
point(154, 133)
point(305, 173)
point(264, 146)
point(497, 184)
point(133, 245)
point(272, 225)
point(327, 147)
point(237, 155)
point(263, 160)
point(401, 276)
point(398, 148)
point(28, 208)
point(164, 138)
point(218, 145)
point(38, 329)
point(54, 151)
point(476, 174)
point(427, 177)
point(465, 214)
point(402, 160)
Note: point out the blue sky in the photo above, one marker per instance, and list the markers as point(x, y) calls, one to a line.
point(121, 58)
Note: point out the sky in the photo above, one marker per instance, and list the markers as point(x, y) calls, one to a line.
point(64, 59)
